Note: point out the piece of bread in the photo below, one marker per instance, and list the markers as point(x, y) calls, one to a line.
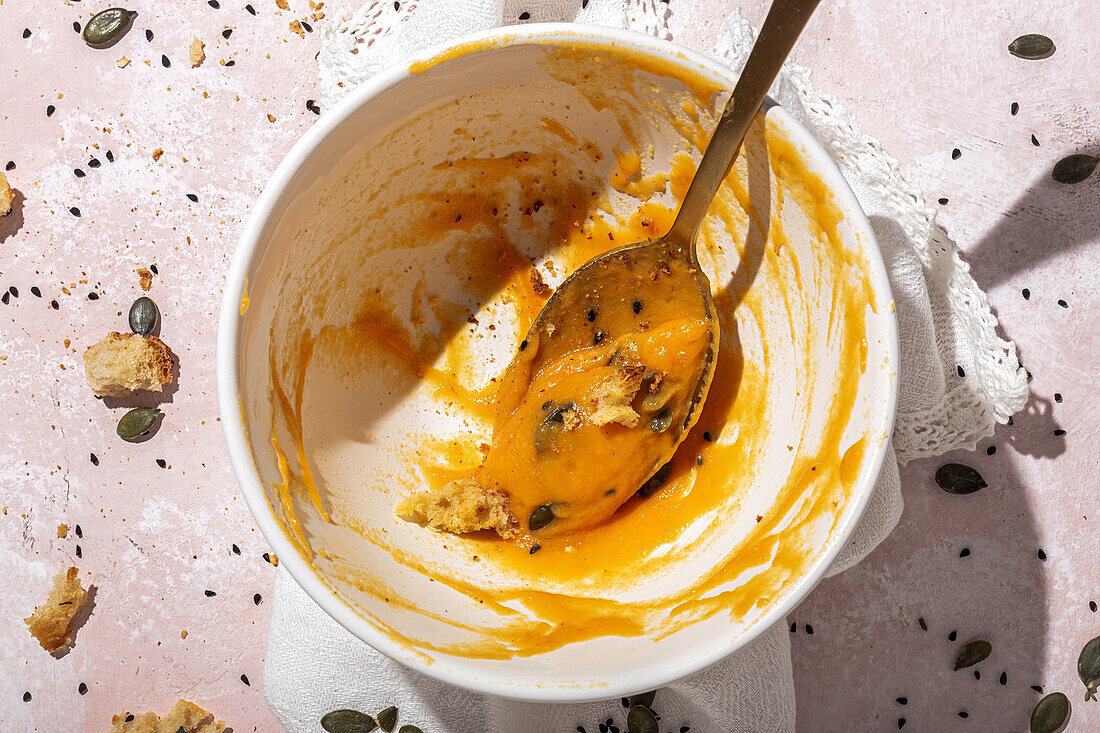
point(6, 196)
point(121, 364)
point(459, 507)
point(185, 715)
point(609, 399)
point(52, 622)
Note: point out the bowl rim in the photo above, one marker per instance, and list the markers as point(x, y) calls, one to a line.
point(227, 365)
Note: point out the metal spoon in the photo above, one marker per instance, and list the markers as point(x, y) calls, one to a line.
point(664, 272)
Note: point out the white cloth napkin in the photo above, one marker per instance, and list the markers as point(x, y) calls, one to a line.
point(314, 665)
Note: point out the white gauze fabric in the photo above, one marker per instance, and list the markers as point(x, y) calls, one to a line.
point(314, 665)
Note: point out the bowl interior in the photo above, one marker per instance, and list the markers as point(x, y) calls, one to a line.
point(385, 280)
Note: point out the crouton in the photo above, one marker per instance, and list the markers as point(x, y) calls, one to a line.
point(6, 196)
point(52, 622)
point(121, 364)
point(185, 716)
point(609, 399)
point(460, 506)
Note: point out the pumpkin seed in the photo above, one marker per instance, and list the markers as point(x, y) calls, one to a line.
point(972, 653)
point(655, 482)
point(1032, 46)
point(955, 478)
point(387, 719)
point(551, 425)
point(107, 25)
point(640, 719)
point(646, 698)
point(181, 729)
point(1051, 714)
point(144, 316)
point(661, 421)
point(1074, 168)
point(541, 517)
point(137, 422)
point(409, 729)
point(348, 721)
point(1088, 668)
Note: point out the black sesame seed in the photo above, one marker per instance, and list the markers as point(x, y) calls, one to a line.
point(598, 337)
point(901, 723)
point(227, 33)
point(214, 4)
point(1059, 433)
point(794, 627)
point(1063, 303)
point(210, 593)
point(977, 675)
point(231, 62)
point(991, 450)
point(162, 463)
point(79, 552)
point(110, 156)
point(79, 531)
point(1014, 108)
point(1092, 606)
point(636, 306)
point(534, 549)
point(129, 718)
point(26, 33)
point(1035, 141)
point(307, 26)
point(960, 370)
point(603, 728)
point(257, 598)
point(236, 550)
point(590, 315)
point(5, 297)
point(683, 728)
point(953, 635)
point(79, 173)
point(956, 154)
point(1037, 688)
point(74, 211)
point(809, 630)
point(580, 729)
point(76, 26)
point(965, 552)
point(26, 697)
point(94, 163)
point(525, 15)
point(148, 35)
point(1026, 293)
point(396, 5)
point(93, 295)
point(244, 677)
point(922, 623)
point(82, 688)
point(38, 294)
point(943, 202)
point(624, 702)
point(698, 460)
point(523, 344)
point(95, 459)
point(164, 61)
point(707, 436)
point(153, 269)
point(903, 701)
point(250, 9)
point(14, 291)
point(266, 556)
point(10, 165)
point(54, 305)
point(1041, 555)
point(1004, 678)
point(1057, 395)
point(50, 109)
point(963, 714)
point(193, 197)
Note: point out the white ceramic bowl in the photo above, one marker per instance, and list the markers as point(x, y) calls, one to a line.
point(300, 266)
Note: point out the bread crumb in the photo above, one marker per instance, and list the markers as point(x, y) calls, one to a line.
point(270, 117)
point(145, 278)
point(52, 622)
point(609, 399)
point(123, 62)
point(537, 283)
point(196, 51)
point(274, 559)
point(459, 507)
point(184, 715)
point(282, 4)
point(121, 364)
point(6, 196)
point(157, 153)
point(296, 27)
point(183, 633)
point(62, 530)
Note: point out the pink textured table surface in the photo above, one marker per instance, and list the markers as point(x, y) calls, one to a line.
point(160, 543)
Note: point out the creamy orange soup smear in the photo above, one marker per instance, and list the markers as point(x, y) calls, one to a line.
point(479, 239)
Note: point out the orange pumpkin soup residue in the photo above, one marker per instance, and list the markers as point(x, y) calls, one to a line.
point(568, 589)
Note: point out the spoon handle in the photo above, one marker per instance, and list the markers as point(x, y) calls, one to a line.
point(781, 29)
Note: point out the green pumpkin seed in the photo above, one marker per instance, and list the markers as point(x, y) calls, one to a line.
point(1074, 168)
point(137, 422)
point(107, 25)
point(655, 482)
point(1032, 46)
point(1051, 714)
point(409, 729)
point(144, 316)
point(181, 729)
point(646, 698)
point(1088, 668)
point(547, 431)
point(387, 719)
point(541, 517)
point(640, 719)
point(348, 721)
point(661, 421)
point(972, 653)
point(955, 478)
